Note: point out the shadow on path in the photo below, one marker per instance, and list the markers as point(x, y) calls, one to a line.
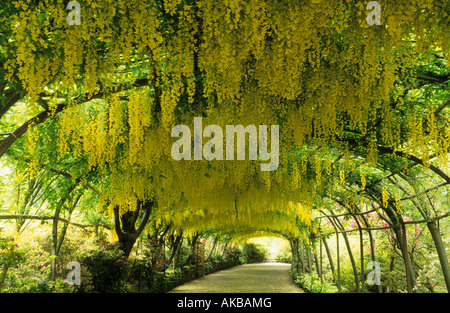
point(247, 278)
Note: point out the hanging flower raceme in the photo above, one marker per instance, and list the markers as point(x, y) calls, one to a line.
point(316, 69)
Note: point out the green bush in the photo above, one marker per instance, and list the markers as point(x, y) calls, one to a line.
point(230, 256)
point(253, 253)
point(107, 268)
point(311, 283)
point(27, 270)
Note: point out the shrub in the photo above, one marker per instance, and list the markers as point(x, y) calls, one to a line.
point(231, 256)
point(29, 270)
point(10, 255)
point(253, 253)
point(106, 266)
point(311, 283)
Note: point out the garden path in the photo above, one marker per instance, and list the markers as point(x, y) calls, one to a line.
point(247, 278)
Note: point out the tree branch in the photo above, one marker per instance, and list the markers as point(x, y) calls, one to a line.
point(12, 97)
point(117, 222)
point(416, 160)
point(43, 116)
point(441, 107)
point(394, 226)
point(43, 218)
point(148, 206)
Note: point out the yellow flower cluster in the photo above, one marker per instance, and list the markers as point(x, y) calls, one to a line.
point(308, 65)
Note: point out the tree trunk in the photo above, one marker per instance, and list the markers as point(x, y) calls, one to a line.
point(433, 227)
point(295, 256)
point(350, 254)
point(372, 246)
point(125, 225)
point(192, 245)
point(175, 248)
point(54, 240)
point(352, 260)
point(440, 248)
point(308, 254)
point(400, 234)
point(176, 258)
point(316, 261)
point(330, 259)
point(57, 241)
point(402, 245)
point(320, 257)
point(212, 249)
point(361, 251)
point(303, 258)
point(408, 263)
point(338, 281)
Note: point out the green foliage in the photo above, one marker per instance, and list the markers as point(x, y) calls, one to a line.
point(29, 271)
point(231, 255)
point(10, 253)
point(311, 283)
point(253, 253)
point(145, 275)
point(285, 256)
point(106, 267)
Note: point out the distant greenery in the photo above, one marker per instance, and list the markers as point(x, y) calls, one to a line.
point(253, 253)
point(284, 256)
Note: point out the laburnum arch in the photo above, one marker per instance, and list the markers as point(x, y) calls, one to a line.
point(360, 107)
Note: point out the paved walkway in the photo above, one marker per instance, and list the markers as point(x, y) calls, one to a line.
point(247, 278)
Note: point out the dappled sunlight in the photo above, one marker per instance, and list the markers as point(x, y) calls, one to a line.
point(274, 245)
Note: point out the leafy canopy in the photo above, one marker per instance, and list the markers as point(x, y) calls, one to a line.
point(134, 69)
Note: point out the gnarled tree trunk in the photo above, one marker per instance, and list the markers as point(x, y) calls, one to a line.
point(125, 225)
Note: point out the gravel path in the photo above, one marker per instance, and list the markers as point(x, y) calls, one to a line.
point(247, 278)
